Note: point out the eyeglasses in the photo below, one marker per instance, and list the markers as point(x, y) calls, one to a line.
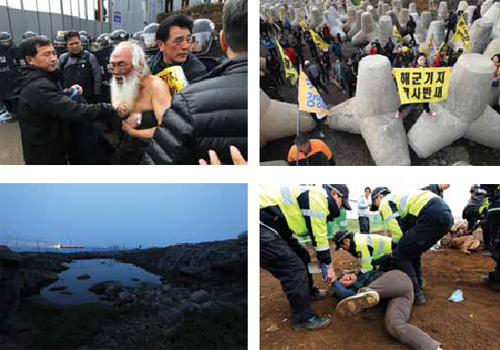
point(120, 66)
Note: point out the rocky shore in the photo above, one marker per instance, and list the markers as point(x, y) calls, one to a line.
point(204, 289)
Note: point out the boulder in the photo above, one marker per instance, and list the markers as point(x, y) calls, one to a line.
point(109, 288)
point(83, 277)
point(200, 296)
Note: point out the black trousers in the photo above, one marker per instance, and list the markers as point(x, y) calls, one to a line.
point(493, 225)
point(433, 222)
point(277, 257)
point(364, 224)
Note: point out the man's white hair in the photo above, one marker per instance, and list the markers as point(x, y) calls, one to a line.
point(138, 57)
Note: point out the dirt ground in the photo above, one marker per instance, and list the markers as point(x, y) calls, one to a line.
point(11, 151)
point(469, 325)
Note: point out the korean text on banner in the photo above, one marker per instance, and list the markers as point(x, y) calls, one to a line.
point(462, 34)
point(290, 71)
point(309, 98)
point(418, 85)
point(317, 39)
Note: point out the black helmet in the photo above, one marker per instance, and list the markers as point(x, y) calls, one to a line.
point(137, 37)
point(5, 39)
point(85, 42)
point(204, 34)
point(148, 37)
point(60, 41)
point(84, 33)
point(29, 34)
point(118, 36)
point(376, 191)
point(103, 40)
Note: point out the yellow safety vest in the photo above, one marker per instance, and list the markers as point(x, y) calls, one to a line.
point(406, 204)
point(381, 245)
point(285, 196)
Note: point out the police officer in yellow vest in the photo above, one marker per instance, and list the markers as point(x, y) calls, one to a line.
point(373, 250)
point(292, 210)
point(417, 221)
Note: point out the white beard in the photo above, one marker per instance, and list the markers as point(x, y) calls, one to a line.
point(125, 93)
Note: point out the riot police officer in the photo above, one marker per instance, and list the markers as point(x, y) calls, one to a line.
point(148, 40)
point(493, 224)
point(118, 36)
point(60, 45)
point(204, 43)
point(29, 34)
point(103, 54)
point(8, 75)
point(136, 37)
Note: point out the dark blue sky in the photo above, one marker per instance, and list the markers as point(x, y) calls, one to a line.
point(117, 214)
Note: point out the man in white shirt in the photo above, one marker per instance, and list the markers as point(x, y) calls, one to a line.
point(364, 203)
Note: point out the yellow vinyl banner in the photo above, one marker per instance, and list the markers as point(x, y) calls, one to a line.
point(396, 34)
point(175, 79)
point(462, 34)
point(309, 98)
point(417, 85)
point(317, 39)
point(290, 71)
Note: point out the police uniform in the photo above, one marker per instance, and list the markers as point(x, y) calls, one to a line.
point(416, 221)
point(8, 73)
point(373, 250)
point(286, 210)
point(492, 224)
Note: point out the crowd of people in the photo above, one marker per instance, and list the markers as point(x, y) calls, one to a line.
point(391, 265)
point(340, 66)
point(174, 93)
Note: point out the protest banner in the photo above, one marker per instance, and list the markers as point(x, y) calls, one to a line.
point(396, 34)
point(318, 40)
point(462, 34)
point(419, 85)
point(309, 98)
point(290, 71)
point(303, 24)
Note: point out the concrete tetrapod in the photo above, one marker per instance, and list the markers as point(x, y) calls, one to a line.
point(372, 113)
point(468, 95)
point(480, 33)
point(279, 120)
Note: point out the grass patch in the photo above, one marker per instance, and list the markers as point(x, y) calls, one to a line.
point(216, 329)
point(72, 326)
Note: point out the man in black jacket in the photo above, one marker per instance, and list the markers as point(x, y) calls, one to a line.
point(174, 42)
point(210, 115)
point(43, 105)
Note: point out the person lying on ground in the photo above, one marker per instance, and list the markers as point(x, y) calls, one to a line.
point(309, 152)
point(395, 287)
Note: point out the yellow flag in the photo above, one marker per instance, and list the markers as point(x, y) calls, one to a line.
point(269, 19)
point(282, 14)
point(417, 85)
point(309, 98)
point(290, 71)
point(317, 39)
point(462, 34)
point(396, 34)
point(303, 24)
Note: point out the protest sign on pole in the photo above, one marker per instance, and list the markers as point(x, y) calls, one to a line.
point(462, 34)
point(396, 34)
point(309, 98)
point(418, 85)
point(290, 71)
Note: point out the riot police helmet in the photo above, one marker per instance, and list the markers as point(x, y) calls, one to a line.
point(148, 38)
point(5, 39)
point(59, 42)
point(84, 33)
point(85, 42)
point(118, 36)
point(103, 40)
point(29, 34)
point(202, 37)
point(136, 37)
